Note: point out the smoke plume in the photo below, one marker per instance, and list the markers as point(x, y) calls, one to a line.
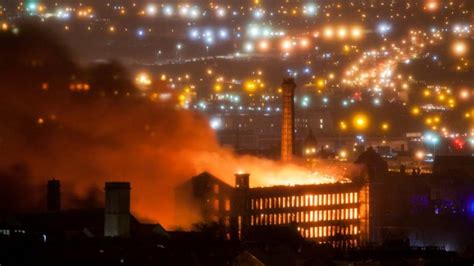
point(108, 133)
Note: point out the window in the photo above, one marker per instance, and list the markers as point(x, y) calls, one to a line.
point(215, 188)
point(216, 204)
point(227, 204)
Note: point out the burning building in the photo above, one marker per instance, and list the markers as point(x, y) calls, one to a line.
point(334, 213)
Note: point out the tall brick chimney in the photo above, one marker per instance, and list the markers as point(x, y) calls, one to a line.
point(287, 123)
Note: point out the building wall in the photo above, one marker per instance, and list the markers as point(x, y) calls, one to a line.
point(204, 198)
point(334, 213)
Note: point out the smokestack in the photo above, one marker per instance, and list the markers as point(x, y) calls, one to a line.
point(287, 124)
point(53, 196)
point(117, 209)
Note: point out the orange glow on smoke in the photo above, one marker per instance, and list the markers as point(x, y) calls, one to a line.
point(153, 147)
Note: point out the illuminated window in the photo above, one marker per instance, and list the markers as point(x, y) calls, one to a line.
point(252, 220)
point(227, 204)
point(356, 198)
point(311, 218)
point(216, 204)
point(351, 199)
point(215, 188)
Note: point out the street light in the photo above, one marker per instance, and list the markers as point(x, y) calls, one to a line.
point(431, 139)
point(460, 48)
point(343, 126)
point(360, 121)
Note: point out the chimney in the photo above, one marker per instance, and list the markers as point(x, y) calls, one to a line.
point(53, 195)
point(287, 124)
point(117, 209)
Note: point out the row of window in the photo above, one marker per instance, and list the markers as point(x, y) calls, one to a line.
point(349, 243)
point(305, 217)
point(328, 231)
point(304, 201)
point(216, 204)
point(7, 232)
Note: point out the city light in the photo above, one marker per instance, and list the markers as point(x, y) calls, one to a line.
point(460, 48)
point(360, 122)
point(420, 155)
point(143, 80)
point(215, 123)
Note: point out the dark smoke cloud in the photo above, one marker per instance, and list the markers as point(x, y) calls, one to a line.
point(84, 140)
point(107, 134)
